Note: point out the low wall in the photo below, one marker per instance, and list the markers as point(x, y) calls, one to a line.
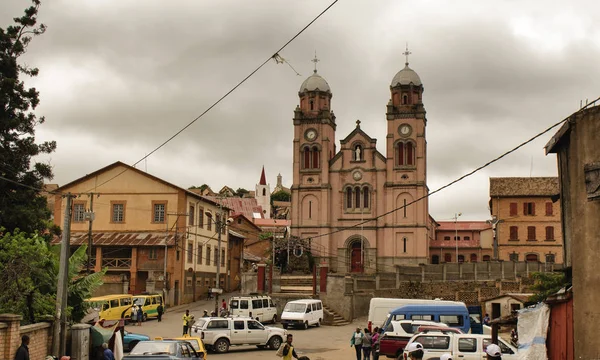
point(40, 336)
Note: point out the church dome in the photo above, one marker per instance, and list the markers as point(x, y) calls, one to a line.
point(315, 82)
point(406, 76)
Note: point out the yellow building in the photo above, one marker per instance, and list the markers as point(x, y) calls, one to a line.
point(137, 217)
point(528, 221)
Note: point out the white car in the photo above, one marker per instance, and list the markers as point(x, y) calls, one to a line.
point(461, 346)
point(219, 334)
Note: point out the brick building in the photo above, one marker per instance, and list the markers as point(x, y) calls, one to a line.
point(528, 220)
point(461, 241)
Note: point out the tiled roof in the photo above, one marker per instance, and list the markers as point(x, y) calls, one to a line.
point(244, 206)
point(524, 186)
point(463, 225)
point(121, 238)
point(282, 203)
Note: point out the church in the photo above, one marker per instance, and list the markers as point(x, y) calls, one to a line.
point(337, 192)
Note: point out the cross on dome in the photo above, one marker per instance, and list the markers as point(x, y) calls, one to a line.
point(315, 60)
point(406, 53)
point(357, 123)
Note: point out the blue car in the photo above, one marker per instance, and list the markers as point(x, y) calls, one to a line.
point(130, 340)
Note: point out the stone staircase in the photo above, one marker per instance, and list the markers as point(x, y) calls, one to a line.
point(296, 284)
point(334, 318)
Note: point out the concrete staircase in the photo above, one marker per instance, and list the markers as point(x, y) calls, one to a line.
point(334, 318)
point(296, 284)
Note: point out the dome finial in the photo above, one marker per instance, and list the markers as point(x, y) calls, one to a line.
point(315, 60)
point(406, 53)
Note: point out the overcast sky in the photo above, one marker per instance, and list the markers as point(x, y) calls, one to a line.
point(117, 78)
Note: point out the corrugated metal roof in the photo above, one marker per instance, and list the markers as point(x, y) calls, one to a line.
point(120, 238)
point(524, 186)
point(245, 206)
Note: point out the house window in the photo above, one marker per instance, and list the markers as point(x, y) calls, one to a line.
point(531, 233)
point(548, 209)
point(486, 258)
point(192, 215)
point(473, 258)
point(435, 259)
point(366, 202)
point(467, 238)
point(457, 238)
point(446, 237)
point(461, 258)
point(78, 210)
point(531, 257)
point(514, 233)
point(514, 257)
point(529, 209)
point(357, 197)
point(201, 217)
point(152, 254)
point(216, 257)
point(315, 157)
point(306, 156)
point(404, 99)
point(190, 252)
point(208, 255)
point(209, 221)
point(349, 198)
point(513, 209)
point(404, 241)
point(550, 258)
point(222, 257)
point(200, 254)
point(447, 257)
point(223, 223)
point(264, 192)
point(310, 209)
point(159, 212)
point(118, 213)
point(405, 153)
point(549, 232)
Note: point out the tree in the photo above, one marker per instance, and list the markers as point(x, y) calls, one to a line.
point(21, 207)
point(241, 192)
point(281, 196)
point(547, 284)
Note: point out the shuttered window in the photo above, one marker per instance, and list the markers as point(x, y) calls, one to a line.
point(513, 209)
point(531, 233)
point(514, 233)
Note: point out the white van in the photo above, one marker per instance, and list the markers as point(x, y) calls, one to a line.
point(258, 307)
point(302, 313)
point(379, 308)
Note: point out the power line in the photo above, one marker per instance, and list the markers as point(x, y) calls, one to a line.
point(273, 56)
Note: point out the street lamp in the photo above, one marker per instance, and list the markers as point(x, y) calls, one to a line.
point(456, 233)
point(219, 225)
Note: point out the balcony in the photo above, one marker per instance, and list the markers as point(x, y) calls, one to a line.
point(116, 263)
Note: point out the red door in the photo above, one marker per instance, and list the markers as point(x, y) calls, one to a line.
point(356, 258)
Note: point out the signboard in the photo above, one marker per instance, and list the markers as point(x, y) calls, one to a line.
point(216, 291)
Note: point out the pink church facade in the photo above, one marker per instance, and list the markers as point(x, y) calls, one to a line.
point(358, 206)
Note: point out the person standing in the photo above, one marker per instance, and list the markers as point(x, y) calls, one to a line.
point(415, 351)
point(223, 305)
point(493, 352)
point(486, 320)
point(159, 310)
point(134, 314)
point(23, 350)
point(186, 321)
point(288, 349)
point(140, 315)
point(366, 345)
point(375, 343)
point(107, 353)
point(356, 341)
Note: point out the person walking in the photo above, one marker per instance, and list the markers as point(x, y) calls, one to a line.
point(367, 344)
point(288, 349)
point(140, 315)
point(107, 353)
point(186, 321)
point(375, 343)
point(356, 341)
point(23, 350)
point(415, 351)
point(160, 310)
point(223, 305)
point(493, 352)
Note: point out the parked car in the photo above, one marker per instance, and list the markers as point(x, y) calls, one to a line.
point(149, 304)
point(454, 315)
point(130, 339)
point(393, 341)
point(302, 313)
point(219, 334)
point(262, 307)
point(379, 308)
point(461, 346)
point(196, 342)
point(164, 350)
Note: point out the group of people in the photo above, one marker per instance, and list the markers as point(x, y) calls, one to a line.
point(366, 343)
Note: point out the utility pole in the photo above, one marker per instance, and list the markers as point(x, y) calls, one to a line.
point(456, 233)
point(165, 292)
point(219, 224)
point(59, 337)
point(91, 220)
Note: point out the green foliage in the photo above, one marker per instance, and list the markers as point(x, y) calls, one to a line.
point(281, 196)
point(547, 284)
point(240, 192)
point(29, 268)
point(265, 235)
point(20, 207)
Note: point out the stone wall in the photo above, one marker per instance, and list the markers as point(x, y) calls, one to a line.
point(40, 335)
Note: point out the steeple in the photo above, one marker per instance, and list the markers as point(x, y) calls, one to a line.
point(263, 178)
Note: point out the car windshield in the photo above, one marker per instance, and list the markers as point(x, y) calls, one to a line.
point(199, 323)
point(138, 301)
point(154, 348)
point(97, 305)
point(295, 308)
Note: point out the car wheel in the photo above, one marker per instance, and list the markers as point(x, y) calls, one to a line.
point(132, 344)
point(319, 323)
point(221, 346)
point(285, 326)
point(274, 319)
point(275, 342)
point(305, 325)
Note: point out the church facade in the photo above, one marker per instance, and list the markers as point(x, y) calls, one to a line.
point(354, 203)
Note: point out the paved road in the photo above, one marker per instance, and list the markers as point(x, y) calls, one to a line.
point(324, 343)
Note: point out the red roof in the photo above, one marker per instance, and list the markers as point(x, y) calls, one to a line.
point(122, 238)
point(463, 225)
point(263, 178)
point(245, 206)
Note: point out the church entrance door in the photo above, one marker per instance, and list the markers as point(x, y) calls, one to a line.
point(356, 263)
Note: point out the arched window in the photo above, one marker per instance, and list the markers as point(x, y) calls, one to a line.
point(531, 257)
point(435, 259)
point(366, 200)
point(312, 104)
point(486, 258)
point(400, 154)
point(404, 240)
point(461, 258)
point(315, 158)
point(447, 257)
point(409, 154)
point(404, 99)
point(405, 153)
point(349, 198)
point(264, 192)
point(306, 153)
point(473, 258)
point(357, 197)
